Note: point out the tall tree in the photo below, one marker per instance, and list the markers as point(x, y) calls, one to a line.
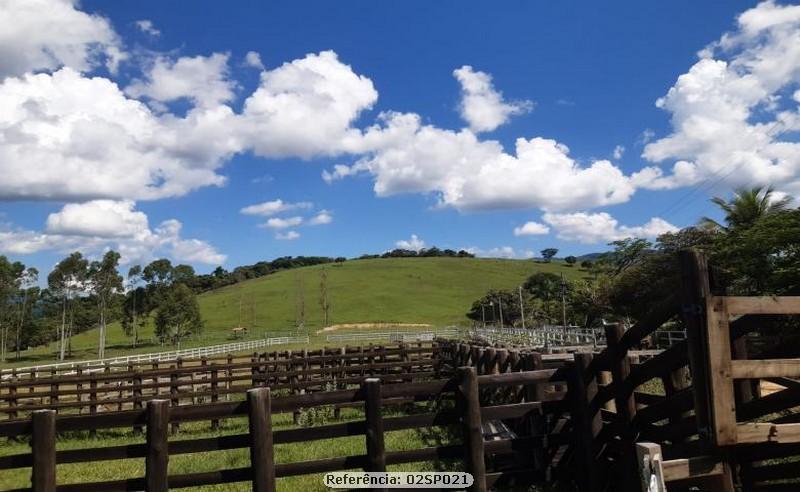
point(67, 279)
point(134, 277)
point(549, 253)
point(747, 206)
point(10, 276)
point(324, 299)
point(105, 281)
point(178, 315)
point(27, 281)
point(300, 302)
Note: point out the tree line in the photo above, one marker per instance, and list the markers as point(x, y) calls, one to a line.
point(755, 250)
point(81, 294)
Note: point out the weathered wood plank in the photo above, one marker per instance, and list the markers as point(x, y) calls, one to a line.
point(262, 461)
point(682, 469)
point(763, 305)
point(157, 460)
point(723, 403)
point(751, 433)
point(771, 368)
point(43, 448)
point(651, 472)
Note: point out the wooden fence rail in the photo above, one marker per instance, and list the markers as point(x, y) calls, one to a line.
point(291, 371)
point(261, 440)
point(623, 418)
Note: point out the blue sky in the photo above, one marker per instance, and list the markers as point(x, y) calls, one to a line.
point(171, 136)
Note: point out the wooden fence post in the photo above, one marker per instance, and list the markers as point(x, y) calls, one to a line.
point(137, 396)
point(228, 375)
point(620, 370)
point(695, 289)
point(93, 400)
point(651, 472)
point(583, 437)
point(253, 371)
point(173, 391)
point(12, 397)
point(262, 461)
point(43, 449)
point(214, 392)
point(157, 459)
point(467, 399)
point(79, 387)
point(54, 390)
point(376, 453)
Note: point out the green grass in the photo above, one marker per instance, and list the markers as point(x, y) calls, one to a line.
point(228, 459)
point(435, 291)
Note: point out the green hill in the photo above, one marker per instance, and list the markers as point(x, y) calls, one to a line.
point(435, 291)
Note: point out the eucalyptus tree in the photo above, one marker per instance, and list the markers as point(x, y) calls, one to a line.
point(10, 276)
point(67, 279)
point(178, 315)
point(28, 281)
point(133, 304)
point(104, 281)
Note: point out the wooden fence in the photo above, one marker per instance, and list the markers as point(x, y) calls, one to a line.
point(215, 380)
point(694, 413)
point(695, 416)
point(509, 397)
point(124, 361)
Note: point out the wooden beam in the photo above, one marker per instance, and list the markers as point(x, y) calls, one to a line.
point(651, 472)
point(262, 460)
point(695, 289)
point(719, 361)
point(763, 305)
point(766, 432)
point(470, 409)
point(157, 459)
point(771, 368)
point(686, 468)
point(376, 450)
point(43, 448)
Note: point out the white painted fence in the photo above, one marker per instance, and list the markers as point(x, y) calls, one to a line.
point(394, 336)
point(120, 362)
point(549, 336)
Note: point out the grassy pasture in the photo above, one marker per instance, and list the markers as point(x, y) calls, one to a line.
point(435, 291)
point(229, 459)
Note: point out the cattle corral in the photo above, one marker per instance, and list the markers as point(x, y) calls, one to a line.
point(610, 418)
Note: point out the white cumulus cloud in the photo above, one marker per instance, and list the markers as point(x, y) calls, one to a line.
point(98, 218)
point(531, 229)
point(64, 136)
point(282, 223)
point(413, 244)
point(482, 106)
point(322, 218)
point(731, 120)
point(306, 107)
point(95, 226)
point(253, 59)
point(274, 207)
point(49, 34)
point(201, 79)
point(147, 27)
point(287, 236)
point(599, 227)
point(468, 173)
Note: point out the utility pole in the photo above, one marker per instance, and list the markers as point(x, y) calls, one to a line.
point(483, 315)
point(564, 302)
point(521, 308)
